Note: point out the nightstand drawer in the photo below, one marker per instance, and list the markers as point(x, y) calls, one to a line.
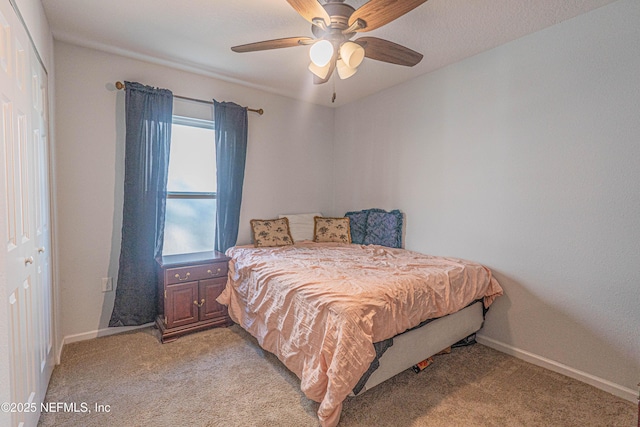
point(196, 272)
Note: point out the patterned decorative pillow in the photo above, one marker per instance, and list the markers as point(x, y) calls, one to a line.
point(384, 228)
point(271, 232)
point(331, 230)
point(358, 225)
point(376, 227)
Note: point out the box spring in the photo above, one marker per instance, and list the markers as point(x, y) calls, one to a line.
point(415, 345)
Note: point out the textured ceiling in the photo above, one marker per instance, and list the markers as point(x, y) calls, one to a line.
point(197, 35)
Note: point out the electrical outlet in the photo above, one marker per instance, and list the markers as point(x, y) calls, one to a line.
point(107, 284)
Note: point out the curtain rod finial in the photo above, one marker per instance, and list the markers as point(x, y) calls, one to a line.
point(119, 85)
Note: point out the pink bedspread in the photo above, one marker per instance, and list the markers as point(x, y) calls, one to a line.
point(320, 306)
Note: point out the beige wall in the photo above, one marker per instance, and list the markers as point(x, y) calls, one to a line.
point(525, 158)
point(286, 172)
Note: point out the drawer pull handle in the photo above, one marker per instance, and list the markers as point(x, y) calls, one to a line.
point(177, 276)
point(200, 304)
point(28, 261)
point(217, 271)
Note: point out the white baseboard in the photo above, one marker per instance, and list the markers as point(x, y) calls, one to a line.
point(602, 384)
point(68, 339)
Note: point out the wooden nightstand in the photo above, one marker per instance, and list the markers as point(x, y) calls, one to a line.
point(188, 286)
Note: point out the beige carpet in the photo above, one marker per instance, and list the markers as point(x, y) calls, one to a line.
point(221, 377)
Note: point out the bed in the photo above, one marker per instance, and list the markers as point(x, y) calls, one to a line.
point(320, 307)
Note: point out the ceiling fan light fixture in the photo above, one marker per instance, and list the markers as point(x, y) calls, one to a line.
point(352, 54)
point(321, 72)
point(321, 53)
point(333, 24)
point(344, 71)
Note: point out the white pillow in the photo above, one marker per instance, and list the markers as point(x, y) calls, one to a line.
point(301, 225)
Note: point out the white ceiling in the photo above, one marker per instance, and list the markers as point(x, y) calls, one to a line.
point(196, 35)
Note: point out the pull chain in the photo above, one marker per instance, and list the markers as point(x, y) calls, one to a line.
point(333, 80)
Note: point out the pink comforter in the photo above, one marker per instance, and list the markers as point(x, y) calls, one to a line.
point(320, 306)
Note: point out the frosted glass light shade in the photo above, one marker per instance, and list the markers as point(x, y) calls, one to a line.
point(352, 54)
point(321, 72)
point(344, 71)
point(321, 53)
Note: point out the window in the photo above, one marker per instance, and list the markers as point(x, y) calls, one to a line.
point(191, 187)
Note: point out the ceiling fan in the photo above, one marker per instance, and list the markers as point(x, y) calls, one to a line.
point(333, 25)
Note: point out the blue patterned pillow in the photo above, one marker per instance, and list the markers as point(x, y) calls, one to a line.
point(384, 228)
point(376, 227)
point(358, 225)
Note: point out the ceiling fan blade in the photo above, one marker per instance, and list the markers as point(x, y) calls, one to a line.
point(273, 44)
point(386, 51)
point(376, 13)
point(310, 9)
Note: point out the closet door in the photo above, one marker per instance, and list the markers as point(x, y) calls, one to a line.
point(42, 190)
point(25, 288)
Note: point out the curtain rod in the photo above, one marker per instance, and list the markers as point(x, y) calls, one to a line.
point(120, 86)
